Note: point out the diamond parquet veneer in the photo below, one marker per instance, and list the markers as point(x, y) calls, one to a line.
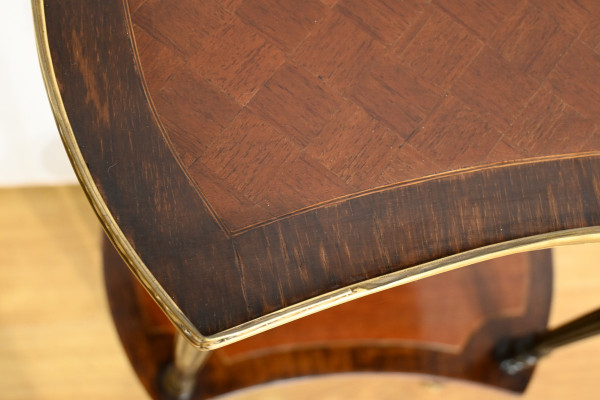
point(277, 105)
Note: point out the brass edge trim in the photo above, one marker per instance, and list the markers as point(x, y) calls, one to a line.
point(352, 292)
point(116, 236)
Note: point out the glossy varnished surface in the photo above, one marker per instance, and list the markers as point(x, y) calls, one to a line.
point(221, 278)
point(275, 106)
point(400, 330)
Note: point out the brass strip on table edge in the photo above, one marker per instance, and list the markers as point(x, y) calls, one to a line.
point(374, 285)
point(116, 236)
point(288, 314)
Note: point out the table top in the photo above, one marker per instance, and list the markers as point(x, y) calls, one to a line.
point(257, 161)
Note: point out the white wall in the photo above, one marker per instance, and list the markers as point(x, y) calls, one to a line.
point(30, 149)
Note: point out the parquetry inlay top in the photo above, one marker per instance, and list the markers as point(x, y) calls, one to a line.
point(277, 105)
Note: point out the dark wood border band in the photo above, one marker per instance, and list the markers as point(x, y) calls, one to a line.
point(219, 281)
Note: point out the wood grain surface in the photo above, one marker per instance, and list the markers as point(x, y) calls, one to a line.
point(404, 329)
point(279, 105)
point(222, 275)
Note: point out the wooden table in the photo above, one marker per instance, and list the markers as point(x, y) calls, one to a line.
point(255, 162)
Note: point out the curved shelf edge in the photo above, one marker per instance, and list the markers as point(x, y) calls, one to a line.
point(352, 292)
point(128, 245)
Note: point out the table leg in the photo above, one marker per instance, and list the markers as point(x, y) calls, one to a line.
point(179, 379)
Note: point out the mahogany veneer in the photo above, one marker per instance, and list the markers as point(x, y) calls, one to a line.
point(274, 106)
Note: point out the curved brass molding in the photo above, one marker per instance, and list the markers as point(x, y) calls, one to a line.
point(352, 292)
point(283, 316)
point(116, 236)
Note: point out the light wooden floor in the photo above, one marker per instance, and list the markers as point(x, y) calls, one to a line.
point(57, 339)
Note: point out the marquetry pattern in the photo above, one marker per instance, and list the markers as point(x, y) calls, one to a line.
point(277, 105)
